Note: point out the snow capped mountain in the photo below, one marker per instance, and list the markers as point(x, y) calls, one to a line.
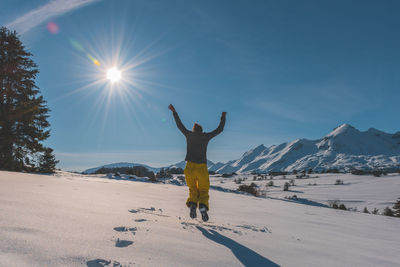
point(345, 148)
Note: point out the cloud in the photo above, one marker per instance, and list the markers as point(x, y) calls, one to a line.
point(37, 16)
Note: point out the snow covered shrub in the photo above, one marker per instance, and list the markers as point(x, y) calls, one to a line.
point(375, 211)
point(238, 181)
point(292, 182)
point(251, 189)
point(396, 208)
point(388, 212)
point(338, 182)
point(378, 173)
point(286, 186)
point(335, 204)
point(270, 183)
point(366, 210)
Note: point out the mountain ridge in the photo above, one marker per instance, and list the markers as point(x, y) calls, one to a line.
point(344, 148)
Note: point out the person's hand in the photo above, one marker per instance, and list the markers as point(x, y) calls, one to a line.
point(223, 114)
point(171, 107)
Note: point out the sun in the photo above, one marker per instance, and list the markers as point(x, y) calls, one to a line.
point(114, 75)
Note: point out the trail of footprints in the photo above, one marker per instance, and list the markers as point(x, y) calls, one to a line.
point(123, 231)
point(125, 238)
point(127, 233)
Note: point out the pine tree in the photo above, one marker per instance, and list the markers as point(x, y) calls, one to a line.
point(396, 208)
point(388, 212)
point(23, 112)
point(48, 161)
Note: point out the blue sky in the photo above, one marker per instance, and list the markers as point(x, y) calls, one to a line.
point(281, 69)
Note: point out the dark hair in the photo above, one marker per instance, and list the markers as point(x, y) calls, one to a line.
point(197, 128)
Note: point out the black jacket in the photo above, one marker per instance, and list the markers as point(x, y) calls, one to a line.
point(196, 149)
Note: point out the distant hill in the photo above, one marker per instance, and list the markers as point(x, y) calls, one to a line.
point(345, 148)
point(120, 165)
point(130, 165)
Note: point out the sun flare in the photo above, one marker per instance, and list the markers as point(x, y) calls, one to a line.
point(114, 75)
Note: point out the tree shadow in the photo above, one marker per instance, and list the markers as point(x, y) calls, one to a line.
point(246, 256)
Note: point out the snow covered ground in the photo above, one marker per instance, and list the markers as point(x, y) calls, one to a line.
point(76, 220)
point(357, 191)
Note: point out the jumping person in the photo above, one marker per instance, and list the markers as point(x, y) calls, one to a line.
point(196, 172)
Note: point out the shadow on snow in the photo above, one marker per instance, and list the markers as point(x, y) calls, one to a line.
point(246, 256)
point(303, 201)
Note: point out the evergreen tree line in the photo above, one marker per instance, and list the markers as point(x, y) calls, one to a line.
point(23, 111)
point(139, 171)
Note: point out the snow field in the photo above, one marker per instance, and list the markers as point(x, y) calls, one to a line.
point(75, 220)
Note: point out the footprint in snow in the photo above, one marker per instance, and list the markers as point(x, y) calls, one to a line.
point(123, 243)
point(125, 229)
point(254, 228)
point(150, 210)
point(101, 263)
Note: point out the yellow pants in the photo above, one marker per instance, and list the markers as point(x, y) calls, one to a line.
point(198, 181)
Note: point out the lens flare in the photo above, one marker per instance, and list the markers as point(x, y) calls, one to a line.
point(114, 75)
point(52, 27)
point(95, 61)
point(75, 44)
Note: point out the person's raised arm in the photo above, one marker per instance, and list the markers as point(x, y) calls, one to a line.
point(220, 127)
point(178, 121)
